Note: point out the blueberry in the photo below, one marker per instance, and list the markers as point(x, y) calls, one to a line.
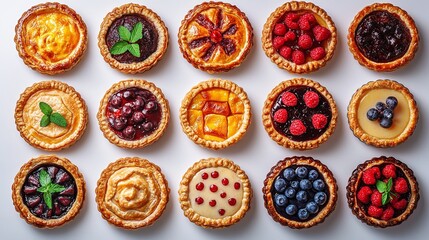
point(312, 207)
point(115, 101)
point(305, 184)
point(303, 214)
point(294, 184)
point(280, 200)
point(129, 132)
point(386, 123)
point(289, 174)
point(280, 184)
point(147, 126)
point(151, 106)
point(380, 106)
point(391, 102)
point(291, 209)
point(302, 196)
point(119, 123)
point(138, 117)
point(126, 111)
point(290, 192)
point(388, 113)
point(320, 198)
point(301, 172)
point(128, 94)
point(138, 103)
point(313, 175)
point(373, 114)
point(319, 185)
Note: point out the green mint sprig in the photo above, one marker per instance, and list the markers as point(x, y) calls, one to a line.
point(386, 190)
point(48, 187)
point(128, 40)
point(50, 116)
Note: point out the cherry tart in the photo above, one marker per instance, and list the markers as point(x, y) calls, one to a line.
point(382, 192)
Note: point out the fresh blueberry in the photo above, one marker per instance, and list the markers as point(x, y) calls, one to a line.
point(312, 207)
point(294, 184)
point(280, 200)
point(319, 185)
point(303, 214)
point(380, 106)
point(289, 174)
point(290, 192)
point(291, 209)
point(320, 198)
point(391, 102)
point(305, 184)
point(302, 196)
point(151, 106)
point(120, 123)
point(313, 175)
point(128, 94)
point(386, 123)
point(373, 114)
point(115, 101)
point(280, 184)
point(126, 111)
point(301, 172)
point(147, 126)
point(388, 113)
point(129, 132)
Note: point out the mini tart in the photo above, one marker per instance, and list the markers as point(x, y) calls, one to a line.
point(133, 113)
point(30, 203)
point(63, 99)
point(215, 113)
point(152, 45)
point(51, 38)
point(403, 204)
point(132, 193)
point(278, 183)
point(405, 118)
point(398, 41)
point(288, 25)
point(299, 114)
point(215, 193)
point(215, 37)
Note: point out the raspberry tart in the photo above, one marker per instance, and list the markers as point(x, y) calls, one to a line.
point(299, 37)
point(382, 192)
point(383, 37)
point(299, 114)
point(215, 193)
point(48, 191)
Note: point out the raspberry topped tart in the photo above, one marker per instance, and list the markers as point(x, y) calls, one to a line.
point(299, 114)
point(215, 37)
point(299, 37)
point(382, 192)
point(215, 193)
point(383, 37)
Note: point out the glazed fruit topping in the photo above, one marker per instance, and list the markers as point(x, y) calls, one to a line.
point(383, 112)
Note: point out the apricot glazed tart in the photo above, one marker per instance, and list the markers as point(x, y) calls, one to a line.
point(299, 114)
point(215, 37)
point(215, 193)
point(51, 115)
point(382, 192)
point(48, 191)
point(383, 113)
point(215, 113)
point(132, 193)
point(133, 113)
point(132, 38)
point(51, 38)
point(299, 37)
point(383, 37)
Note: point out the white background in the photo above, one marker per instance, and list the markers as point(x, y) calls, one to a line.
point(256, 153)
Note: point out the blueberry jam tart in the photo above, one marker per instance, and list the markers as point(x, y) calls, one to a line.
point(133, 113)
point(48, 191)
point(300, 192)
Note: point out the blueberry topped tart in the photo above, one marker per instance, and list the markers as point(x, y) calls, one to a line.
point(383, 37)
point(48, 191)
point(133, 113)
point(300, 192)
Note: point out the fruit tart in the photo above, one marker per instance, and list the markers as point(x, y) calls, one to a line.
point(299, 114)
point(51, 38)
point(382, 192)
point(215, 37)
point(132, 38)
point(215, 193)
point(299, 37)
point(133, 113)
point(48, 191)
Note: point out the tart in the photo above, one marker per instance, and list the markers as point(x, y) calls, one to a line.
point(133, 113)
point(132, 38)
point(383, 37)
point(215, 193)
point(300, 192)
point(299, 37)
point(51, 38)
point(51, 115)
point(215, 37)
point(382, 192)
point(215, 113)
point(48, 191)
point(132, 193)
point(299, 114)
point(383, 113)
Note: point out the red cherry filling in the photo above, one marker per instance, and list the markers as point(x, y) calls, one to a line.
point(237, 185)
point(215, 174)
point(199, 186)
point(204, 176)
point(199, 200)
point(221, 212)
point(232, 201)
point(212, 203)
point(223, 195)
point(225, 181)
point(213, 188)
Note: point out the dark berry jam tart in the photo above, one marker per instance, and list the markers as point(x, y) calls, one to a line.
point(383, 37)
point(215, 193)
point(299, 114)
point(383, 113)
point(299, 37)
point(51, 115)
point(300, 192)
point(132, 38)
point(382, 192)
point(132, 193)
point(48, 191)
point(215, 37)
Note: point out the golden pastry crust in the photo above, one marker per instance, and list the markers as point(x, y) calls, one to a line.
point(159, 26)
point(299, 7)
point(353, 184)
point(51, 48)
point(284, 140)
point(297, 161)
point(207, 222)
point(20, 178)
point(233, 26)
point(240, 101)
point(352, 114)
point(132, 193)
point(383, 66)
point(65, 100)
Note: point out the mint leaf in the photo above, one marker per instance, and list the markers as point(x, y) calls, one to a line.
point(381, 186)
point(54, 188)
point(44, 121)
point(119, 48)
point(385, 198)
point(124, 33)
point(44, 188)
point(47, 197)
point(136, 33)
point(46, 109)
point(44, 178)
point(58, 119)
point(389, 184)
point(134, 49)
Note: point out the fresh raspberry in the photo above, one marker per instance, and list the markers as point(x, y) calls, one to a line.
point(280, 115)
point(389, 171)
point(387, 213)
point(291, 21)
point(311, 99)
point(305, 41)
point(289, 99)
point(304, 24)
point(309, 17)
point(317, 53)
point(400, 185)
point(297, 127)
point(298, 57)
point(368, 177)
point(376, 198)
point(377, 172)
point(290, 36)
point(374, 211)
point(399, 204)
point(285, 52)
point(279, 29)
point(364, 194)
point(278, 42)
point(321, 33)
point(319, 121)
